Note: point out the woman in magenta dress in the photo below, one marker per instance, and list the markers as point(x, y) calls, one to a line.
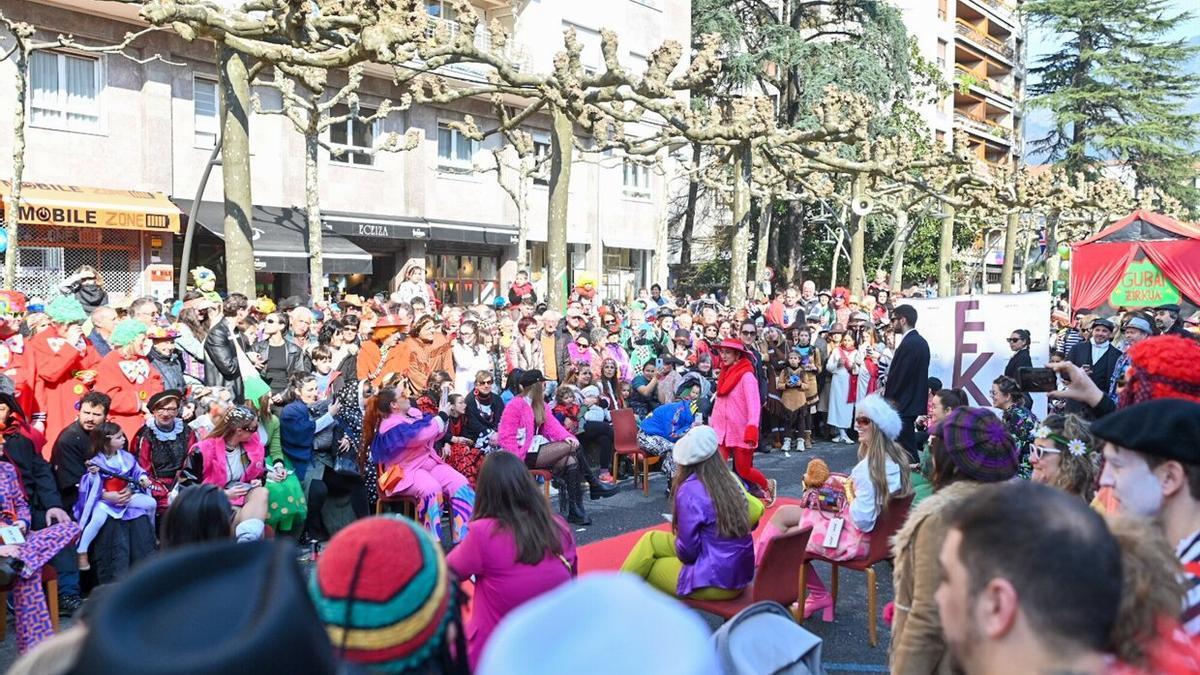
point(29, 602)
point(517, 550)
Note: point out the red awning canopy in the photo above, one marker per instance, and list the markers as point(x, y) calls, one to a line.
point(1098, 262)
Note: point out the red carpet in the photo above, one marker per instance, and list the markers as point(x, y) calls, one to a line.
point(608, 554)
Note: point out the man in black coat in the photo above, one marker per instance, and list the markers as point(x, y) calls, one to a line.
point(908, 377)
point(220, 349)
point(1097, 357)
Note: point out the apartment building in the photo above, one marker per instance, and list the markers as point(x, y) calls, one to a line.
point(979, 47)
point(104, 131)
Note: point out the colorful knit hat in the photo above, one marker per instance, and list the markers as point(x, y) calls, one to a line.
point(1167, 366)
point(65, 309)
point(126, 332)
point(382, 589)
point(977, 442)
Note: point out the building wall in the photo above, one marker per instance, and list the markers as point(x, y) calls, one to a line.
point(146, 138)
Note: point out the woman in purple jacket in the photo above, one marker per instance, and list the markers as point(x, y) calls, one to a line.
point(709, 554)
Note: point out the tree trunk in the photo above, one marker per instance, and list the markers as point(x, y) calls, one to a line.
point(561, 147)
point(946, 250)
point(689, 216)
point(764, 242)
point(523, 179)
point(312, 203)
point(1052, 260)
point(794, 268)
point(741, 224)
point(858, 241)
point(12, 215)
point(899, 250)
point(1010, 252)
point(235, 171)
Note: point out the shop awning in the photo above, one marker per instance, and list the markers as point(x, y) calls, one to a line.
point(281, 240)
point(473, 233)
point(76, 206)
point(416, 227)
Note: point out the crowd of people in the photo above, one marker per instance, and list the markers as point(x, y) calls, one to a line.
point(225, 420)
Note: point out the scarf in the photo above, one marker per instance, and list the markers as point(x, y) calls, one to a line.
point(522, 290)
point(731, 375)
point(848, 363)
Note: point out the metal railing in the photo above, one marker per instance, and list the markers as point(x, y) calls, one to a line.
point(984, 126)
point(980, 38)
point(988, 84)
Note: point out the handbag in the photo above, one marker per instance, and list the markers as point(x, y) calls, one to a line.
point(390, 479)
point(346, 464)
point(822, 507)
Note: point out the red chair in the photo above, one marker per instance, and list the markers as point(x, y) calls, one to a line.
point(886, 527)
point(50, 580)
point(625, 443)
point(780, 578)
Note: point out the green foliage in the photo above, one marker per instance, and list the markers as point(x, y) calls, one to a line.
point(1117, 91)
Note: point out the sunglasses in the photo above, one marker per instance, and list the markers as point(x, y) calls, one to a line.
point(273, 321)
point(862, 421)
point(1014, 339)
point(485, 382)
point(251, 429)
point(1036, 452)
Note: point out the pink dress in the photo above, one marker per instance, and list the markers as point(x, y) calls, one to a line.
point(501, 583)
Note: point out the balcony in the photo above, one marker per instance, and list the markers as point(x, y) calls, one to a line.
point(984, 126)
point(982, 39)
point(513, 51)
point(965, 78)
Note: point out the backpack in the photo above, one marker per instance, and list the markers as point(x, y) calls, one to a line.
point(764, 639)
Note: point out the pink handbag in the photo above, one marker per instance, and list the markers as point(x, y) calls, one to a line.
point(852, 543)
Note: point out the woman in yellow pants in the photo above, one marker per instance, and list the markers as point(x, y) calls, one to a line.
point(709, 554)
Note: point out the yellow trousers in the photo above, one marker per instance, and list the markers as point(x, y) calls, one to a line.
point(653, 559)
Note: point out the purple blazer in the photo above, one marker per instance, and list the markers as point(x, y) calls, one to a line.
point(708, 558)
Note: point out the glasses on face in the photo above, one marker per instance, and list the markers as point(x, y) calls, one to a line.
point(749, 332)
point(273, 321)
point(862, 421)
point(250, 429)
point(1013, 340)
point(1036, 452)
point(483, 382)
point(167, 409)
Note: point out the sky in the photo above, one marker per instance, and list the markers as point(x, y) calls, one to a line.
point(1042, 42)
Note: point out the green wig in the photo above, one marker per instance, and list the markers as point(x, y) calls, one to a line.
point(127, 331)
point(65, 309)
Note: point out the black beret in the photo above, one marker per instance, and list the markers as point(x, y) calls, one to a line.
point(1168, 308)
point(1164, 427)
point(1104, 323)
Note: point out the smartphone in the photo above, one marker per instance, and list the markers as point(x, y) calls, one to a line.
point(658, 363)
point(1036, 379)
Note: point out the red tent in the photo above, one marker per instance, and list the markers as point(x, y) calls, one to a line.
point(1099, 262)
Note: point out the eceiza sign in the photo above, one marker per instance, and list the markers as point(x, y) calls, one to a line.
point(1143, 285)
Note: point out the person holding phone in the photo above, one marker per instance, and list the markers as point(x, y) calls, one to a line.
point(232, 457)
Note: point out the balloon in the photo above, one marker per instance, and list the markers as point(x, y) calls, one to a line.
point(3, 240)
point(1064, 251)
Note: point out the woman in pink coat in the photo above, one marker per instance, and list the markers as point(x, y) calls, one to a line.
point(400, 439)
point(736, 413)
point(529, 430)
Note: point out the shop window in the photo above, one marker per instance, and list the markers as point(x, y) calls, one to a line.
point(64, 91)
point(353, 136)
point(464, 279)
point(637, 180)
point(541, 156)
point(205, 113)
point(455, 150)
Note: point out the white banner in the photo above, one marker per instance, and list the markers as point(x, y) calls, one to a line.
point(968, 339)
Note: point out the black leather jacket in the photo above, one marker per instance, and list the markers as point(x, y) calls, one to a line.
point(220, 361)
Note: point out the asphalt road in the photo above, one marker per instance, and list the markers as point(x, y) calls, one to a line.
point(845, 649)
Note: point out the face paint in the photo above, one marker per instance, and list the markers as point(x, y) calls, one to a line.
point(1135, 485)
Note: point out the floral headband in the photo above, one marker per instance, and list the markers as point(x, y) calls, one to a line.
point(1074, 446)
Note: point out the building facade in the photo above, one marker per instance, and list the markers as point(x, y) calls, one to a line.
point(979, 47)
point(112, 123)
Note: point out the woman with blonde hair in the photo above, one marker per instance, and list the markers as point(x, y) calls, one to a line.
point(880, 475)
point(1064, 455)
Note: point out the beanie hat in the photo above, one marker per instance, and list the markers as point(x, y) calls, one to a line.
point(1167, 366)
point(697, 445)
point(382, 589)
point(978, 444)
point(66, 309)
point(590, 391)
point(126, 332)
point(882, 415)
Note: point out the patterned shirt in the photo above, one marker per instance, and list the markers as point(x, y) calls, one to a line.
point(1189, 555)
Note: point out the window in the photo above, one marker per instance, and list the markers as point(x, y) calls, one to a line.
point(941, 54)
point(941, 10)
point(637, 180)
point(64, 91)
point(351, 134)
point(455, 150)
point(541, 155)
point(205, 113)
point(464, 279)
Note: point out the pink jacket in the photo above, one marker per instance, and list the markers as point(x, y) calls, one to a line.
point(216, 472)
point(518, 415)
point(735, 417)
